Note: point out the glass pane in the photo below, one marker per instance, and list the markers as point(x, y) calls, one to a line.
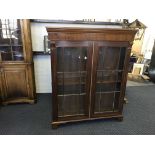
point(108, 76)
point(6, 53)
point(108, 58)
point(71, 77)
point(17, 52)
point(107, 87)
point(104, 102)
point(108, 80)
point(17, 41)
point(10, 40)
point(122, 58)
point(73, 59)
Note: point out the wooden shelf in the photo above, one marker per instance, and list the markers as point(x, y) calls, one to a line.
point(6, 45)
point(10, 29)
point(72, 72)
point(107, 70)
point(78, 83)
point(118, 81)
point(72, 94)
point(71, 83)
point(105, 92)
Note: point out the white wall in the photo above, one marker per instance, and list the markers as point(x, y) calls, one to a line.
point(42, 69)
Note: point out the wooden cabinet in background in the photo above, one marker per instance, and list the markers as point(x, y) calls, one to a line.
point(89, 72)
point(16, 62)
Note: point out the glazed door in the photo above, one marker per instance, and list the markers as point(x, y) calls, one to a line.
point(108, 62)
point(11, 41)
point(71, 65)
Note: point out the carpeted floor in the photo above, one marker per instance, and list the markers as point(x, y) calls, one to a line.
point(25, 119)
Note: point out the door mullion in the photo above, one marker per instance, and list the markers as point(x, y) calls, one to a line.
point(93, 79)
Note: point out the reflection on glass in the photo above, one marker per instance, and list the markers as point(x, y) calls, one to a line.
point(71, 76)
point(108, 58)
point(108, 80)
point(10, 40)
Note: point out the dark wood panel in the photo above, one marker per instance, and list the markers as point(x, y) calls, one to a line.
point(113, 43)
point(91, 30)
point(72, 44)
point(16, 84)
point(89, 37)
point(80, 118)
point(54, 82)
point(70, 119)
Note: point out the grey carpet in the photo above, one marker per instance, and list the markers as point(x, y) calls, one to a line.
point(25, 119)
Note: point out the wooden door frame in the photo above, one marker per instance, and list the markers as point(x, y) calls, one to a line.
point(97, 45)
point(26, 40)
